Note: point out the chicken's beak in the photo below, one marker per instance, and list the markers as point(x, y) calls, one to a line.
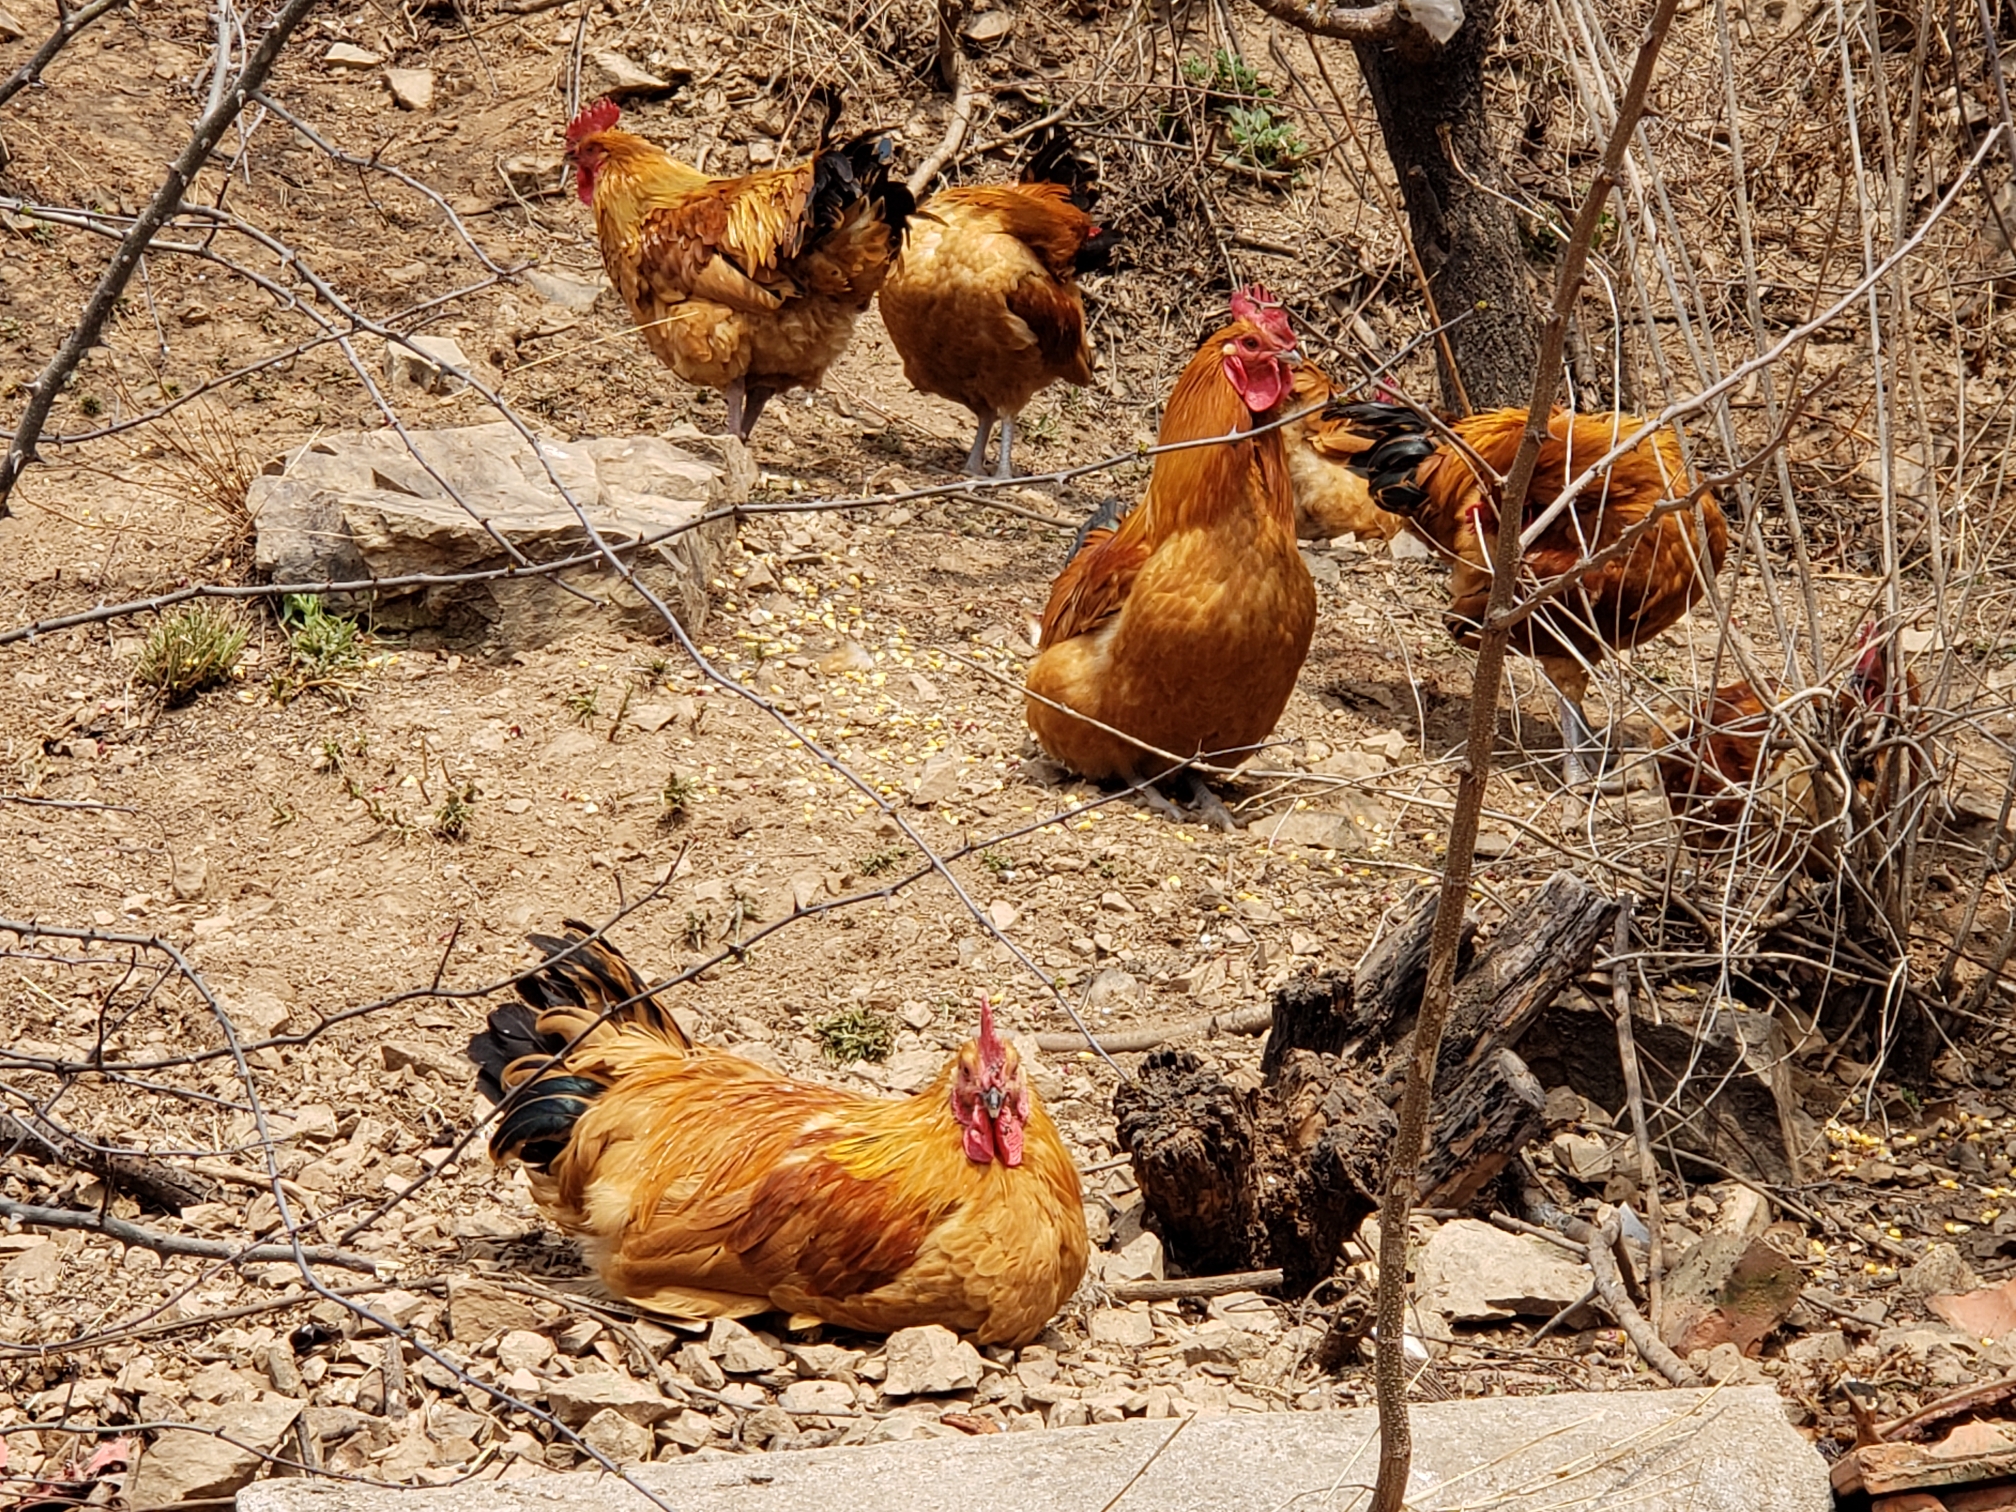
point(994, 1099)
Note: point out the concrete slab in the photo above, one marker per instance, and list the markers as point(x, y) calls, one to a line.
point(1668, 1451)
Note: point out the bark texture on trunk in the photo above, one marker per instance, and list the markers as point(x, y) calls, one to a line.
point(1430, 100)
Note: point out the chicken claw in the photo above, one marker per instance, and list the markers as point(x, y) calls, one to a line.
point(1192, 793)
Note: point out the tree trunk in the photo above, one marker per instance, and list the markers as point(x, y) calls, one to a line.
point(1467, 240)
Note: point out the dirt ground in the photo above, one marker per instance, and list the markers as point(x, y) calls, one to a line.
point(289, 848)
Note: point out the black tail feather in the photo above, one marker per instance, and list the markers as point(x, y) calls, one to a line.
point(1106, 517)
point(858, 168)
point(1402, 442)
point(1057, 160)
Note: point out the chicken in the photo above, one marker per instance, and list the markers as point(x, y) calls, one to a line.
point(1712, 768)
point(749, 285)
point(702, 1185)
point(1330, 499)
point(1184, 626)
point(983, 304)
point(1623, 602)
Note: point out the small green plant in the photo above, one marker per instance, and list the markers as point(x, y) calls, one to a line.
point(675, 797)
point(996, 863)
point(857, 1033)
point(581, 704)
point(451, 819)
point(190, 650)
point(1224, 76)
point(1263, 137)
point(695, 932)
point(282, 814)
point(91, 404)
point(324, 651)
point(878, 862)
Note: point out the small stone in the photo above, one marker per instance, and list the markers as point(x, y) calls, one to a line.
point(179, 1467)
point(521, 1349)
point(536, 175)
point(1112, 987)
point(1584, 1158)
point(11, 30)
point(1939, 1270)
point(1123, 1327)
point(689, 1430)
point(192, 875)
point(1140, 1260)
point(1472, 1272)
point(619, 78)
point(1220, 1343)
point(349, 55)
point(740, 1351)
point(1114, 902)
point(1003, 913)
point(817, 1396)
point(617, 1437)
point(1728, 1289)
point(1823, 1348)
point(577, 1399)
point(578, 1337)
point(848, 656)
point(397, 1055)
point(478, 1310)
point(988, 26)
point(697, 1365)
point(929, 1360)
point(1408, 547)
point(423, 362)
point(412, 88)
point(918, 1015)
point(937, 780)
point(1069, 1413)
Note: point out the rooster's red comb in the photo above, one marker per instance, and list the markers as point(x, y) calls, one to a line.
point(600, 116)
point(1257, 306)
point(992, 1049)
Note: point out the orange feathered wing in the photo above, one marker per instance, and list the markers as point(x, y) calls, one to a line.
point(704, 1185)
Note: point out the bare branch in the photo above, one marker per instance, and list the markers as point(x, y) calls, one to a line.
point(126, 261)
point(73, 23)
point(1370, 23)
point(178, 1244)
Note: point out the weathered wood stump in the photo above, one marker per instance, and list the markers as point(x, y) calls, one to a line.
point(1243, 1177)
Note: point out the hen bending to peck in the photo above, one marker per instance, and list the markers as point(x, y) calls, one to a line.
point(983, 303)
point(748, 285)
point(702, 1185)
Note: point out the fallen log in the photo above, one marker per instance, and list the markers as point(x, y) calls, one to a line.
point(1239, 1177)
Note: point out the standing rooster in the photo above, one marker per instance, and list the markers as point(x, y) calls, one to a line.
point(1630, 598)
point(983, 304)
point(702, 1185)
point(1185, 626)
point(749, 285)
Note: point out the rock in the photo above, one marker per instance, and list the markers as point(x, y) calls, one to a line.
point(1939, 1271)
point(1726, 1365)
point(816, 1361)
point(478, 1310)
point(848, 656)
point(696, 1364)
point(399, 1054)
point(1739, 1210)
point(689, 1430)
point(615, 75)
point(1003, 913)
point(1728, 1289)
point(182, 1466)
point(350, 55)
point(1220, 1343)
point(1069, 1413)
point(740, 1351)
point(536, 175)
point(1471, 1272)
point(1408, 547)
point(929, 1360)
point(578, 1337)
point(1986, 1314)
point(36, 1268)
point(1311, 827)
point(192, 875)
point(817, 1396)
point(412, 88)
point(988, 26)
point(11, 29)
point(619, 1438)
point(1140, 1260)
point(1122, 1326)
point(918, 1015)
point(579, 1398)
point(357, 506)
point(1824, 1348)
point(257, 1014)
point(424, 362)
point(1111, 986)
point(937, 780)
point(1584, 1158)
point(521, 1349)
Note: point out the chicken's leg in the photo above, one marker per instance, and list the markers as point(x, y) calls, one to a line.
point(1005, 468)
point(1577, 741)
point(1189, 789)
point(757, 399)
point(733, 394)
point(976, 459)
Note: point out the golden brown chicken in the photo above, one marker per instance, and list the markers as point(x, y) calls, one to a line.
point(748, 285)
point(983, 303)
point(702, 1185)
point(1184, 628)
point(1629, 598)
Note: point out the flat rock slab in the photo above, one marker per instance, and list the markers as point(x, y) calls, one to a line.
point(1666, 1451)
point(345, 508)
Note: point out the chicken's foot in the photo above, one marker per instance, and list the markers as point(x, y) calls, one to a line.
point(1578, 744)
point(745, 405)
point(733, 395)
point(1006, 468)
point(1191, 801)
point(976, 459)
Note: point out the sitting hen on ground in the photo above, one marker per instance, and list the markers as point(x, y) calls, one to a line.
point(702, 1185)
